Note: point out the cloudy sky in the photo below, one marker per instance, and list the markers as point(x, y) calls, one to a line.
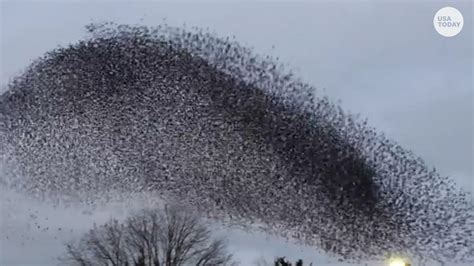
point(381, 59)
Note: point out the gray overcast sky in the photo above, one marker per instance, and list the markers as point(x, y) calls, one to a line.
point(382, 59)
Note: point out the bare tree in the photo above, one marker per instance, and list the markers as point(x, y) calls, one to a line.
point(169, 237)
point(279, 261)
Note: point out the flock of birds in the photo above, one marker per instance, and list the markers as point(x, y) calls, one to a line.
point(200, 119)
